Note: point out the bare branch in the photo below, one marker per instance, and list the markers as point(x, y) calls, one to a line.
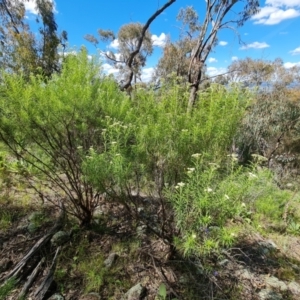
point(216, 11)
point(111, 58)
point(130, 60)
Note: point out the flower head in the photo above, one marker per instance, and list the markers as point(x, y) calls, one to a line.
point(251, 175)
point(233, 156)
point(190, 170)
point(179, 185)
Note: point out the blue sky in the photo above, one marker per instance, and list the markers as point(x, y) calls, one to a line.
point(273, 32)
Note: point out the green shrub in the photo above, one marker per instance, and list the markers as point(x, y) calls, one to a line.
point(93, 272)
point(213, 194)
point(154, 144)
point(270, 128)
point(52, 126)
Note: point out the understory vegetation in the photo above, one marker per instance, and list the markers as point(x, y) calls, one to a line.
point(145, 178)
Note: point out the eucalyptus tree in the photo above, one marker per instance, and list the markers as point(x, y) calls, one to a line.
point(199, 41)
point(218, 16)
point(22, 50)
point(263, 74)
point(175, 59)
point(135, 45)
point(47, 45)
point(198, 36)
point(128, 38)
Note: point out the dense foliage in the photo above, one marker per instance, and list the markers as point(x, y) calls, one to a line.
point(194, 164)
point(21, 50)
point(88, 139)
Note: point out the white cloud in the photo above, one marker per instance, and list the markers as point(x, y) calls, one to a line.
point(114, 44)
point(213, 71)
point(289, 65)
point(30, 6)
point(108, 69)
point(255, 45)
point(275, 17)
point(118, 56)
point(147, 74)
point(295, 51)
point(90, 57)
point(212, 60)
point(159, 41)
point(223, 43)
point(233, 58)
point(287, 3)
point(69, 53)
point(277, 11)
point(264, 13)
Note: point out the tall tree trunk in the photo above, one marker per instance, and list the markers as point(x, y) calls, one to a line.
point(195, 82)
point(193, 96)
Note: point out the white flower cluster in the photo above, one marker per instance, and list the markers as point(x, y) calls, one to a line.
point(190, 170)
point(233, 156)
point(179, 185)
point(251, 175)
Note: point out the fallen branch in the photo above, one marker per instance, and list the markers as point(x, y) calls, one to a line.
point(163, 277)
point(44, 287)
point(31, 279)
point(15, 272)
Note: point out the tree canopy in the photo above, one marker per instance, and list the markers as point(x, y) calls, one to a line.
point(262, 74)
point(22, 51)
